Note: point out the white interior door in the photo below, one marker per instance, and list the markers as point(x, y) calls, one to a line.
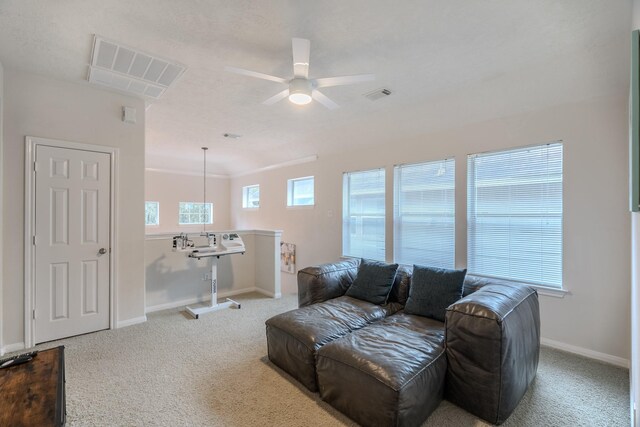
point(72, 251)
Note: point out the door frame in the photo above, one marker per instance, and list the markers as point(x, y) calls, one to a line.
point(31, 144)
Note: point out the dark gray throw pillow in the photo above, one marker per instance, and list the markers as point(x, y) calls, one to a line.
point(433, 290)
point(373, 282)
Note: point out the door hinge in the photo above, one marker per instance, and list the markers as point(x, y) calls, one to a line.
point(35, 166)
point(34, 314)
point(34, 240)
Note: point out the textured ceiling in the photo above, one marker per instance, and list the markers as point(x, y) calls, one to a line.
point(448, 63)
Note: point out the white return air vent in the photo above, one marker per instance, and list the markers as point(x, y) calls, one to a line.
point(127, 70)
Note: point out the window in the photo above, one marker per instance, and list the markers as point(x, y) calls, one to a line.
point(300, 192)
point(515, 214)
point(363, 214)
point(151, 213)
point(251, 196)
point(424, 214)
point(195, 213)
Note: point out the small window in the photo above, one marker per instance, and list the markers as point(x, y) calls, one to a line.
point(251, 197)
point(151, 213)
point(195, 213)
point(363, 214)
point(514, 218)
point(300, 192)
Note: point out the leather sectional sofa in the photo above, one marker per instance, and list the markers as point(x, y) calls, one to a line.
point(383, 367)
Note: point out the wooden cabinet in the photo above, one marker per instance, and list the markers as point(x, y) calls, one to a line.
point(32, 394)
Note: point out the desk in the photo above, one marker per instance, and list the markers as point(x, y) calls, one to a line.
point(32, 394)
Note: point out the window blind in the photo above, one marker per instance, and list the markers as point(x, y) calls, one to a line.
point(514, 218)
point(363, 214)
point(424, 214)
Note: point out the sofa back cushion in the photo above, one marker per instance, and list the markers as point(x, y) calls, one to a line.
point(325, 281)
point(400, 289)
point(433, 290)
point(373, 282)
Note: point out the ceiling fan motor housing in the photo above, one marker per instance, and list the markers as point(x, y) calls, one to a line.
point(300, 91)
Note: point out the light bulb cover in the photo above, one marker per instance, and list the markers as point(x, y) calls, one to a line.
point(299, 98)
point(300, 91)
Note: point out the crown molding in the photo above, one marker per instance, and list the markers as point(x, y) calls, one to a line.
point(301, 160)
point(187, 173)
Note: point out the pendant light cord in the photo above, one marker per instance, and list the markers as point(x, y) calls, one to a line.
point(204, 186)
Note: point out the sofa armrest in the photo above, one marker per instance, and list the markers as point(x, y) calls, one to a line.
point(326, 281)
point(493, 345)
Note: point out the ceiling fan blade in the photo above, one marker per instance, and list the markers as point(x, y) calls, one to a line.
point(249, 73)
point(322, 99)
point(277, 97)
point(301, 49)
point(344, 80)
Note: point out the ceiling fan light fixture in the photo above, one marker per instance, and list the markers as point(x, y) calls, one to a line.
point(300, 91)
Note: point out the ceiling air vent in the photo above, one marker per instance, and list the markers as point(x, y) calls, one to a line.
point(377, 94)
point(128, 70)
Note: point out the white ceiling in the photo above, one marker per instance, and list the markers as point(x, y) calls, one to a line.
point(448, 63)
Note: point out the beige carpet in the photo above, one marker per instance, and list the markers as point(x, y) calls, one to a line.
point(176, 371)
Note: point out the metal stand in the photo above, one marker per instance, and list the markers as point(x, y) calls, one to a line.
point(214, 306)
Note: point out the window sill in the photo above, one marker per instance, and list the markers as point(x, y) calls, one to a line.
point(301, 207)
point(550, 292)
point(250, 209)
point(547, 291)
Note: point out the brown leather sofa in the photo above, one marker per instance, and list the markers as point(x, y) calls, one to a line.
point(383, 367)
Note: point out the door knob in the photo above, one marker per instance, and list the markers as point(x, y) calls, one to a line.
point(102, 251)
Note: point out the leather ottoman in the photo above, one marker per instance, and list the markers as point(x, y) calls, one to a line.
point(294, 337)
point(390, 373)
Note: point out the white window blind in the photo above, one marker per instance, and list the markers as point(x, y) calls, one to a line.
point(363, 214)
point(515, 214)
point(424, 214)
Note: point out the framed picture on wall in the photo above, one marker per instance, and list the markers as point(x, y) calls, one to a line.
point(288, 257)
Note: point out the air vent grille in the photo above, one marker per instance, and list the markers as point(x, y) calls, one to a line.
point(128, 70)
point(377, 94)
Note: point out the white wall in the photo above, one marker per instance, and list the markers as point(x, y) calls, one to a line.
point(1, 192)
point(38, 106)
point(173, 279)
point(595, 316)
point(169, 189)
point(635, 282)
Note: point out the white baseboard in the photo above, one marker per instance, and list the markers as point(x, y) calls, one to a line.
point(9, 348)
point(130, 322)
point(591, 354)
point(225, 294)
point(267, 293)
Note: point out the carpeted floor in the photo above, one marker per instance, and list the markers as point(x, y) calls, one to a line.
point(176, 371)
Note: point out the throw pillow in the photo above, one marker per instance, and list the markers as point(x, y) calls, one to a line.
point(433, 290)
point(373, 281)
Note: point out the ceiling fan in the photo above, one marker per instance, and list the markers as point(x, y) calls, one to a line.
point(301, 89)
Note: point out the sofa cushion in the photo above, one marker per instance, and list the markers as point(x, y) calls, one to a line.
point(400, 289)
point(390, 373)
point(294, 337)
point(373, 282)
point(433, 290)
